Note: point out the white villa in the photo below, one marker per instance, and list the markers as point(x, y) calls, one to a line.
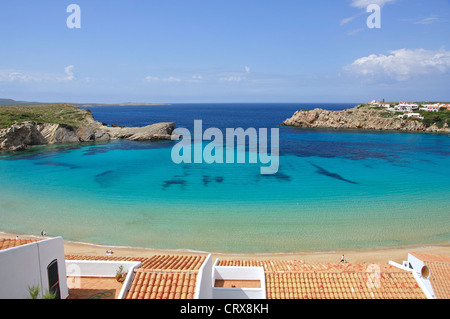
point(409, 115)
point(406, 107)
point(375, 103)
point(410, 107)
point(434, 107)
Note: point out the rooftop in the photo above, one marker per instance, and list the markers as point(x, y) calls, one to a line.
point(93, 288)
point(439, 273)
point(6, 243)
point(160, 276)
point(175, 277)
point(299, 280)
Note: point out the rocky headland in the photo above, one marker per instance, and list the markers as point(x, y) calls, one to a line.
point(24, 126)
point(360, 117)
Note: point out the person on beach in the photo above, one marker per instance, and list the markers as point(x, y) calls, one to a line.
point(342, 259)
point(43, 233)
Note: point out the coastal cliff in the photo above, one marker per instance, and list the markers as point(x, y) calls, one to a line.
point(24, 126)
point(360, 117)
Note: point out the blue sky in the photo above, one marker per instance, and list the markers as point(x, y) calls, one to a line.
point(175, 51)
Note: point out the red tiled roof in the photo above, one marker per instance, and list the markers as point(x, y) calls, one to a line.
point(166, 277)
point(157, 262)
point(296, 265)
point(169, 262)
point(298, 280)
point(105, 258)
point(432, 258)
point(6, 243)
point(160, 276)
point(439, 273)
point(355, 285)
point(162, 285)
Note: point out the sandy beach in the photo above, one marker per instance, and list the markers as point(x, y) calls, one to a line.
point(382, 255)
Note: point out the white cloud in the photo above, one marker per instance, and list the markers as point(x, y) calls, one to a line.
point(13, 76)
point(363, 4)
point(69, 71)
point(157, 79)
point(232, 79)
point(25, 76)
point(196, 78)
point(235, 76)
point(401, 65)
point(355, 31)
point(428, 20)
point(349, 19)
point(172, 79)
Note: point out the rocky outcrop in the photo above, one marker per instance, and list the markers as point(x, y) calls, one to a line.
point(358, 118)
point(20, 136)
point(159, 131)
point(17, 137)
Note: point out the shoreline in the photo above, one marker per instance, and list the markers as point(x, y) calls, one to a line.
point(372, 255)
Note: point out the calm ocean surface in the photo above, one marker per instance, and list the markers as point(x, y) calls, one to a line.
point(335, 189)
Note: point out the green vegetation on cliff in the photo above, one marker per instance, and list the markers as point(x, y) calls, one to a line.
point(438, 118)
point(43, 113)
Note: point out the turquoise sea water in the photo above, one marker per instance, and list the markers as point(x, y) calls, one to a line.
point(334, 190)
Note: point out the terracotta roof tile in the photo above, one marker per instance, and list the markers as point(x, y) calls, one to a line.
point(105, 258)
point(162, 285)
point(440, 279)
point(299, 280)
point(157, 262)
point(309, 285)
point(6, 243)
point(439, 273)
point(433, 258)
point(295, 265)
point(160, 276)
point(174, 262)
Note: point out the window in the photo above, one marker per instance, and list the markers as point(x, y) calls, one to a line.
point(53, 278)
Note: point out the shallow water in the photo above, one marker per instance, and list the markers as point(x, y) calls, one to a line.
point(334, 189)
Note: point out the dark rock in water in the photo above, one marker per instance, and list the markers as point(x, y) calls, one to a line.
point(177, 181)
point(206, 180)
point(278, 175)
point(324, 172)
point(104, 179)
point(52, 163)
point(219, 179)
point(104, 174)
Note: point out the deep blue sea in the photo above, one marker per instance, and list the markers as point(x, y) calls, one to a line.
point(335, 189)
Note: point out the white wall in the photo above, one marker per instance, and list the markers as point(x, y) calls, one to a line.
point(204, 280)
point(25, 266)
point(238, 273)
point(417, 265)
point(98, 268)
